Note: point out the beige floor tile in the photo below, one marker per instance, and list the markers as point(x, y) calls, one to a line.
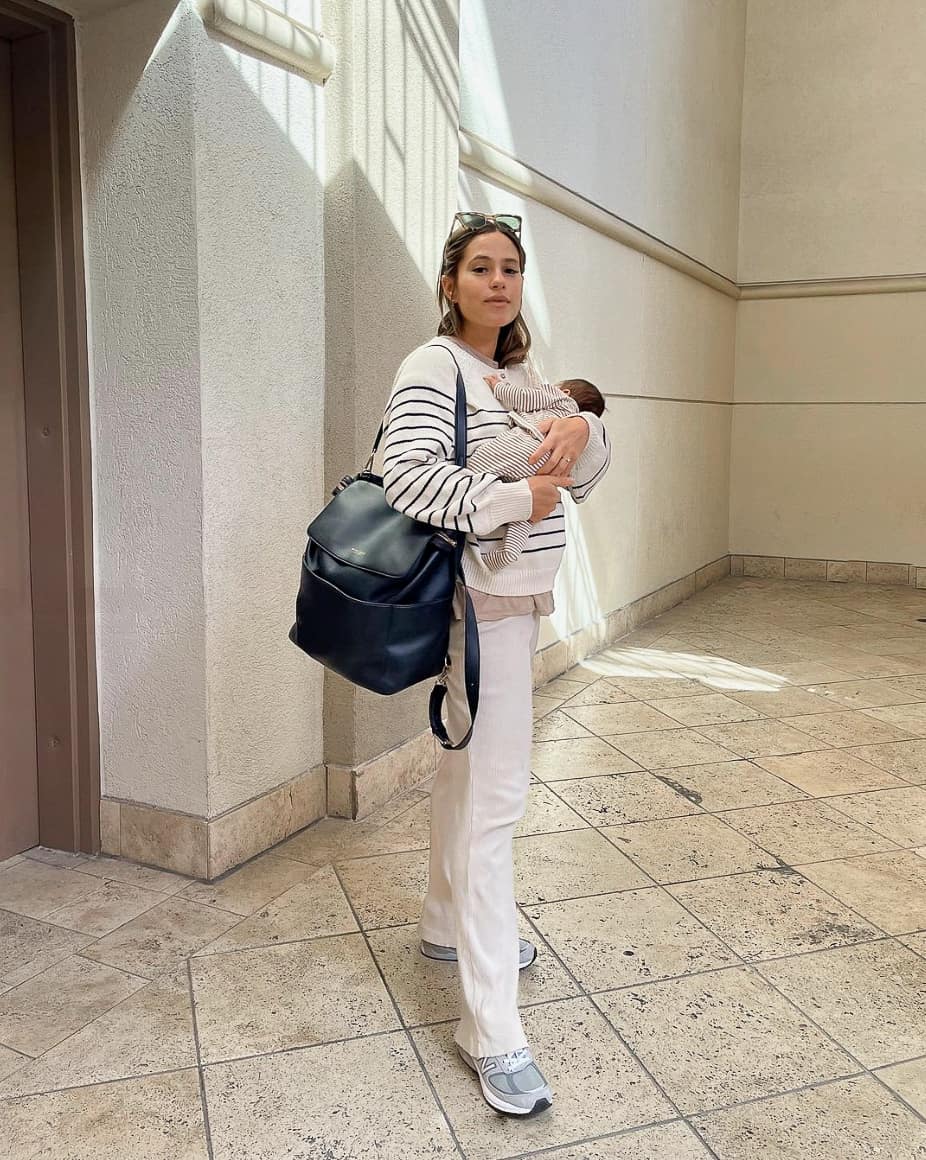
point(887, 889)
point(666, 685)
point(861, 664)
point(912, 687)
point(741, 1039)
point(560, 687)
point(110, 905)
point(28, 946)
point(273, 998)
point(156, 1117)
point(787, 701)
point(751, 739)
point(667, 1142)
point(898, 814)
point(543, 706)
point(547, 814)
point(151, 1031)
point(308, 1121)
point(49, 1007)
point(858, 694)
point(332, 838)
point(624, 797)
point(773, 913)
point(725, 785)
point(63, 859)
point(851, 1120)
point(619, 940)
point(710, 709)
point(411, 830)
point(626, 717)
point(11, 1061)
point(848, 727)
point(828, 772)
point(388, 890)
point(427, 991)
point(603, 692)
point(597, 1086)
point(35, 889)
point(145, 877)
point(559, 726)
point(870, 998)
point(667, 747)
point(570, 865)
point(310, 909)
point(158, 940)
point(584, 757)
point(804, 673)
point(808, 831)
point(585, 673)
point(252, 886)
point(680, 849)
point(907, 718)
point(905, 759)
point(909, 1081)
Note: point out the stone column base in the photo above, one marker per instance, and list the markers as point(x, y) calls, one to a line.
point(207, 847)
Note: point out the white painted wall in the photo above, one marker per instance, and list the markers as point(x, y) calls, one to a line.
point(649, 128)
point(203, 176)
point(830, 419)
point(634, 105)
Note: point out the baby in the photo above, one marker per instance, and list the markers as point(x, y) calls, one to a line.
point(506, 455)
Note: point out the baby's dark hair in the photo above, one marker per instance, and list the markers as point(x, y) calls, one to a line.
point(586, 394)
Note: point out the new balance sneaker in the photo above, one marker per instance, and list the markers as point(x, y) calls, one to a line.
point(512, 1083)
point(527, 953)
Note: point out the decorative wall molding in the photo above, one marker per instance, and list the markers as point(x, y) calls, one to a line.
point(255, 27)
point(487, 159)
point(498, 166)
point(834, 287)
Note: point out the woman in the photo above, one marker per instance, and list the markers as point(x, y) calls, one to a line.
point(480, 792)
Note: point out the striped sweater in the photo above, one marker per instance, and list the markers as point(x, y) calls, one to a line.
point(421, 480)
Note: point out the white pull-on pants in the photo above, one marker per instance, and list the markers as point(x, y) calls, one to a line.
point(479, 795)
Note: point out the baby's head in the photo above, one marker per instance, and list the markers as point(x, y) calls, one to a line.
point(586, 394)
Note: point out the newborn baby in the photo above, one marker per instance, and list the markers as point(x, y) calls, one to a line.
point(507, 455)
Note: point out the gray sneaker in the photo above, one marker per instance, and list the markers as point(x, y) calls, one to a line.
point(527, 953)
point(511, 1083)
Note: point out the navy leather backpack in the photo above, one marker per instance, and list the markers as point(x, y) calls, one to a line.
point(376, 594)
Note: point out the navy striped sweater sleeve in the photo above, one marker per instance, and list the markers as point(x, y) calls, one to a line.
point(419, 477)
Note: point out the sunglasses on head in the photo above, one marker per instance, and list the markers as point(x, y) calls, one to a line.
point(475, 221)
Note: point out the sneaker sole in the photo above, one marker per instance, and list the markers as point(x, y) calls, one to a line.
point(496, 1102)
point(453, 959)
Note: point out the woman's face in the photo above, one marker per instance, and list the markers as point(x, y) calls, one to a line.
point(488, 284)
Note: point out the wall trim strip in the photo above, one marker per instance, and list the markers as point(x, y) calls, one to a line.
point(479, 155)
point(489, 160)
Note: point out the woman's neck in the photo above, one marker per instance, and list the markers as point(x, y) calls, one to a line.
point(481, 338)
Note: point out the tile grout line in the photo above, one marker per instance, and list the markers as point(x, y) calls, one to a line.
point(203, 1098)
point(402, 1024)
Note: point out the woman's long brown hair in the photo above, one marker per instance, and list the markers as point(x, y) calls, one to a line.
point(514, 340)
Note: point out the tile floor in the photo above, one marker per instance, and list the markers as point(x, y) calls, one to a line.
point(724, 865)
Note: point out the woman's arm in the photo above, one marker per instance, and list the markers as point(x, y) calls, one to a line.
point(419, 475)
point(583, 446)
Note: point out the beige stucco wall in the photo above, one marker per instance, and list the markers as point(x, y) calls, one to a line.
point(203, 190)
point(830, 417)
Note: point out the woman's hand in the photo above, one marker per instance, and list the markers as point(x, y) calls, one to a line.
point(545, 494)
point(565, 441)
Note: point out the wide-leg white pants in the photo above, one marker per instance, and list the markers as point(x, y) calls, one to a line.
point(479, 795)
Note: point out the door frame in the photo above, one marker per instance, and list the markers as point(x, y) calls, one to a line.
point(55, 364)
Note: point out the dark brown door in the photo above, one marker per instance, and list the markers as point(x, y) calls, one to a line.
point(19, 816)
